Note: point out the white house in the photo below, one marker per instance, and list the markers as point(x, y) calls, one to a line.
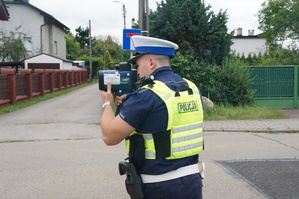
point(250, 44)
point(42, 32)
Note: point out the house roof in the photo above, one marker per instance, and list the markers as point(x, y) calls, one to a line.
point(4, 15)
point(258, 36)
point(247, 37)
point(18, 63)
point(47, 15)
point(64, 60)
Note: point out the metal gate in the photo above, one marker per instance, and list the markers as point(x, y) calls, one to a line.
point(276, 86)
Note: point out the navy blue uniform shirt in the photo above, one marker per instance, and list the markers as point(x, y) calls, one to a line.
point(146, 112)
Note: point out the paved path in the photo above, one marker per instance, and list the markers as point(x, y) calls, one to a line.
point(290, 125)
point(54, 150)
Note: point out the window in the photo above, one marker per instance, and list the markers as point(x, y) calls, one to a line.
point(55, 47)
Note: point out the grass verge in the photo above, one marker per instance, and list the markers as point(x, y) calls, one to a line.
point(243, 113)
point(27, 102)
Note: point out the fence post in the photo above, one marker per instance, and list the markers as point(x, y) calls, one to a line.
point(12, 84)
point(41, 80)
point(28, 73)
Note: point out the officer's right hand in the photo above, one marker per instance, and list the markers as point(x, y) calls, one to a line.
point(107, 96)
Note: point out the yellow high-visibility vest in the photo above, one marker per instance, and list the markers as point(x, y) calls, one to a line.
point(185, 123)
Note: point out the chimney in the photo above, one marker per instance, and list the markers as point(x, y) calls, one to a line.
point(250, 32)
point(239, 32)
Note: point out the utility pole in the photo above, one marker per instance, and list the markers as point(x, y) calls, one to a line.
point(143, 17)
point(124, 15)
point(124, 12)
point(90, 58)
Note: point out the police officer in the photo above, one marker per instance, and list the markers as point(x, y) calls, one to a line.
point(161, 123)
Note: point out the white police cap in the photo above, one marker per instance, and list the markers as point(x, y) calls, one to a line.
point(143, 45)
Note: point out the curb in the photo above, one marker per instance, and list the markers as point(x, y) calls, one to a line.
point(251, 131)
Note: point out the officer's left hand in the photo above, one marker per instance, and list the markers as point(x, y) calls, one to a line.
point(119, 99)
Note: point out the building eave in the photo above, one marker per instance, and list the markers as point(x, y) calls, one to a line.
point(4, 15)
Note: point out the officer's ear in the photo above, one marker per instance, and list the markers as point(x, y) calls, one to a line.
point(152, 63)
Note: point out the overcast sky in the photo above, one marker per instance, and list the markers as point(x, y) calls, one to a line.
point(107, 18)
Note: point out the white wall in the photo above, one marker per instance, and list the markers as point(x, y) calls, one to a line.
point(28, 19)
point(249, 45)
point(51, 35)
point(67, 66)
point(58, 36)
point(31, 22)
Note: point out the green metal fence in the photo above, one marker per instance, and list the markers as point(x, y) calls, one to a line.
point(276, 86)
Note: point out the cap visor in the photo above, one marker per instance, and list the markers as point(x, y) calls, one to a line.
point(132, 60)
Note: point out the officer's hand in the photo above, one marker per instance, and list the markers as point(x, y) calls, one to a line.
point(107, 96)
point(119, 99)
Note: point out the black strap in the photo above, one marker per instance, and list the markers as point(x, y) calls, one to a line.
point(162, 144)
point(183, 88)
point(137, 150)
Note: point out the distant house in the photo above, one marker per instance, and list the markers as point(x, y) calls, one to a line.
point(4, 15)
point(45, 61)
point(250, 44)
point(43, 33)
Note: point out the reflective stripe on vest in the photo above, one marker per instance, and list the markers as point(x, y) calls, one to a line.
point(149, 137)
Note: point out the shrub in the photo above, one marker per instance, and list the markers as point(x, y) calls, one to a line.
point(226, 84)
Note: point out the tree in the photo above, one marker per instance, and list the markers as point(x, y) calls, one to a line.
point(12, 47)
point(226, 84)
point(104, 43)
point(197, 30)
point(72, 47)
point(187, 67)
point(107, 59)
point(82, 36)
point(278, 20)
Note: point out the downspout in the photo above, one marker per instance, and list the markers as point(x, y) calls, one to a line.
point(41, 38)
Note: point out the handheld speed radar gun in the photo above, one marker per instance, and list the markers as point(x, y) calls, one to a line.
point(123, 78)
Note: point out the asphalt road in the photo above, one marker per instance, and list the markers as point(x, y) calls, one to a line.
point(54, 150)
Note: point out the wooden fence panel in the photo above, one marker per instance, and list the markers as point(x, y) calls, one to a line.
point(27, 84)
